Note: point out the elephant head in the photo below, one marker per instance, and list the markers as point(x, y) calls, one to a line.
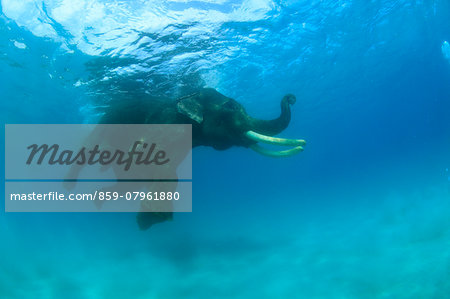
point(221, 122)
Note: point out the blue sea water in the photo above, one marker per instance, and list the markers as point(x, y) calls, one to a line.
point(363, 212)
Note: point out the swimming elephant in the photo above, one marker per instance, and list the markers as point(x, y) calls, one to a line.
point(217, 121)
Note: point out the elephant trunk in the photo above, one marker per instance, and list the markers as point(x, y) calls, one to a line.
point(263, 130)
point(274, 126)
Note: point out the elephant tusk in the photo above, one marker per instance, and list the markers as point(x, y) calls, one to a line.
point(297, 143)
point(274, 140)
point(276, 154)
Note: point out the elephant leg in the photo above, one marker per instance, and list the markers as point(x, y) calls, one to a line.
point(153, 212)
point(145, 220)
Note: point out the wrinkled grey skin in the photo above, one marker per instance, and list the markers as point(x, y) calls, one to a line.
point(217, 121)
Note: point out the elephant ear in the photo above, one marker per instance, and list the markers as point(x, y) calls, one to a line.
point(191, 108)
